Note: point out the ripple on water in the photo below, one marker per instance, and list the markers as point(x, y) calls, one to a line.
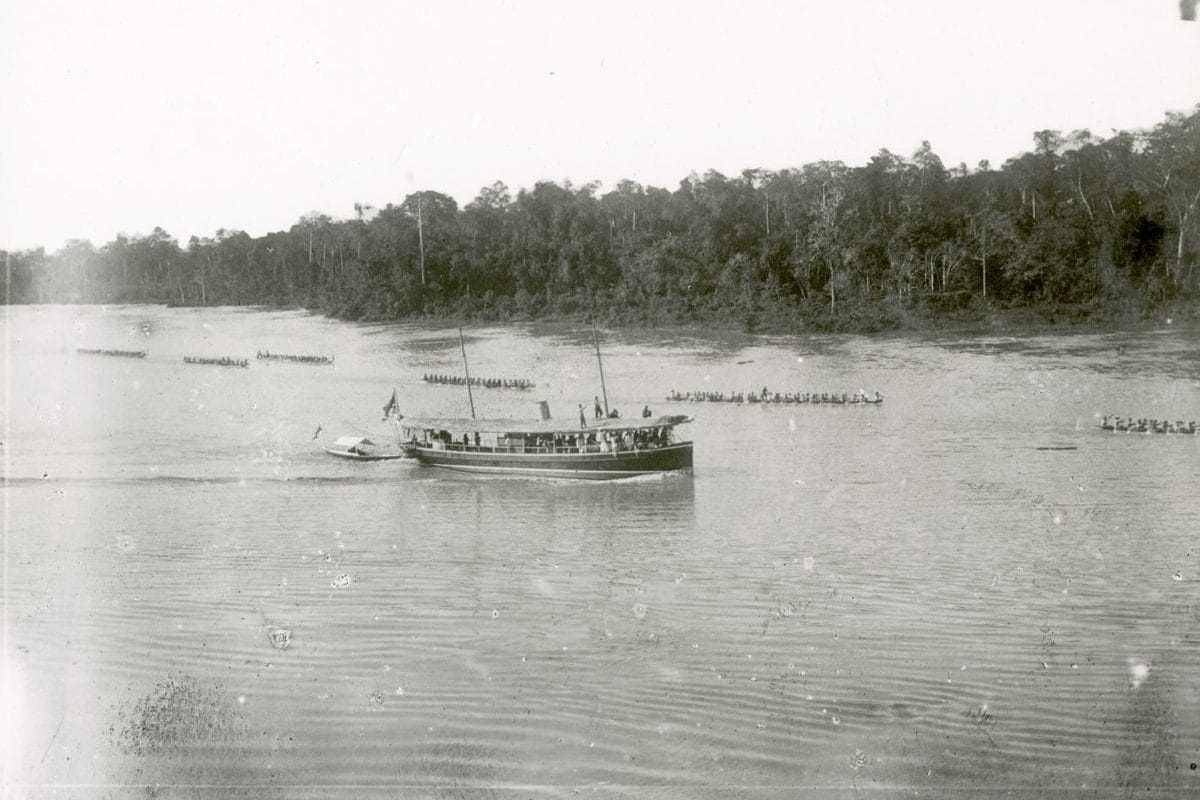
point(912, 597)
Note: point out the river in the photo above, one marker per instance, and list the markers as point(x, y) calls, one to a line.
point(905, 600)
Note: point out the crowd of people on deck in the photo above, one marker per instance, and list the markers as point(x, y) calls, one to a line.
point(585, 441)
point(269, 356)
point(601, 441)
point(766, 396)
point(1130, 425)
point(486, 383)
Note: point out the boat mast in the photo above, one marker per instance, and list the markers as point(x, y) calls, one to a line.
point(467, 372)
point(604, 391)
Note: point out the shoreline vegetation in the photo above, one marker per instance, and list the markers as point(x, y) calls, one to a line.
point(1081, 232)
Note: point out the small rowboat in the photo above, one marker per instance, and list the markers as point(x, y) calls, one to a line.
point(359, 448)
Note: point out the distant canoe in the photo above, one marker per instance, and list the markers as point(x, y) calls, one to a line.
point(120, 353)
point(843, 399)
point(217, 362)
point(297, 359)
point(1130, 425)
point(480, 383)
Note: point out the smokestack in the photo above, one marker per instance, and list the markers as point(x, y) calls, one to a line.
point(544, 409)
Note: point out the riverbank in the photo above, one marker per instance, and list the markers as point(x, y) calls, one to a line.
point(977, 318)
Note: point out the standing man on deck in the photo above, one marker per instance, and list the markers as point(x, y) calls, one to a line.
point(582, 417)
point(599, 410)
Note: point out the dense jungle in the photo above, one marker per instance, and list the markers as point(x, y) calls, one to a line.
point(1080, 228)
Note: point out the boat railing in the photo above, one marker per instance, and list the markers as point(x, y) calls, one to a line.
point(459, 447)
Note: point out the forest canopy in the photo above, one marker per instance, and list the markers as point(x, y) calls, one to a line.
point(1098, 225)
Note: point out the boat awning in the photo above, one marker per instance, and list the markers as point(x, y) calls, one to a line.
point(542, 426)
point(352, 441)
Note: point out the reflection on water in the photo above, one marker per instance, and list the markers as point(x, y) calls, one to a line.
point(910, 598)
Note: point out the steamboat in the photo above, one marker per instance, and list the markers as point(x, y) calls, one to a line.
point(604, 448)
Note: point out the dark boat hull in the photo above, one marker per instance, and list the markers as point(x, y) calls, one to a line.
point(585, 466)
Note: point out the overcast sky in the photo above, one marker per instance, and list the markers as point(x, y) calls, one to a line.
point(123, 115)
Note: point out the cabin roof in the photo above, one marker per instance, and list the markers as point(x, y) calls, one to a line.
point(352, 441)
point(542, 426)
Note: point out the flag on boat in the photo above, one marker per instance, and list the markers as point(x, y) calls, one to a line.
point(391, 407)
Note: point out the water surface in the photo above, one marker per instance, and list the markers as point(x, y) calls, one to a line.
point(906, 600)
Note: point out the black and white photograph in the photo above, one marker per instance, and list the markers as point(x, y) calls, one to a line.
point(517, 399)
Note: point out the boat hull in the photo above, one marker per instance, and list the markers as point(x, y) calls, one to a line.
point(583, 466)
point(360, 457)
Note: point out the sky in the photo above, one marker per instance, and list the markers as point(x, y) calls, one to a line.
point(121, 116)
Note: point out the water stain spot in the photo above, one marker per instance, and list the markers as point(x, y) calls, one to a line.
point(280, 638)
point(341, 581)
point(179, 712)
point(639, 610)
point(832, 496)
point(1138, 673)
point(980, 715)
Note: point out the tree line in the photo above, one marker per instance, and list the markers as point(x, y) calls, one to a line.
point(1081, 222)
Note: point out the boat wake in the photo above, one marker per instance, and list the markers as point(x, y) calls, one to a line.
point(186, 480)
